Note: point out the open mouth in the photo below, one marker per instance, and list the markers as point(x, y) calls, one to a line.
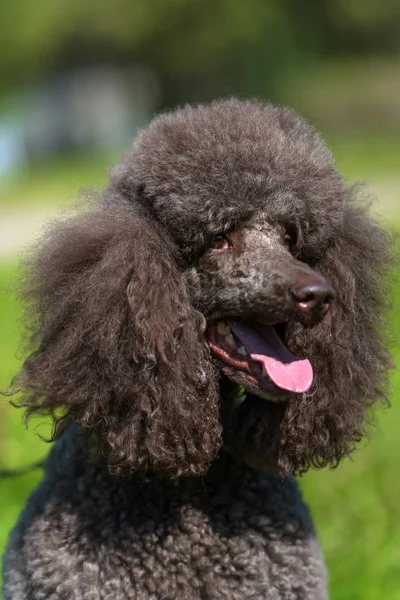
point(258, 352)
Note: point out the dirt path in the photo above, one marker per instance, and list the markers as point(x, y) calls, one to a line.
point(20, 227)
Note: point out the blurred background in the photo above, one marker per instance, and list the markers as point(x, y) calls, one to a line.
point(77, 80)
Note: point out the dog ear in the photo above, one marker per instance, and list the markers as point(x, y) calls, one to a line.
point(350, 361)
point(117, 346)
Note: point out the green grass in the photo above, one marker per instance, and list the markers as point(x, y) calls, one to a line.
point(356, 507)
point(17, 446)
point(56, 181)
point(370, 155)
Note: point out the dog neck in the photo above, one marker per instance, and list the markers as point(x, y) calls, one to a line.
point(251, 427)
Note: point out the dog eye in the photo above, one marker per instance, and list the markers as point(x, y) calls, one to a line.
point(288, 241)
point(220, 242)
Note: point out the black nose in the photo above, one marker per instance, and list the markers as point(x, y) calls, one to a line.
point(312, 296)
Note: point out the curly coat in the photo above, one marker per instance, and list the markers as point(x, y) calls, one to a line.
point(116, 339)
point(120, 296)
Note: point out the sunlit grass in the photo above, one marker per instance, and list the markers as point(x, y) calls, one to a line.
point(370, 155)
point(18, 447)
point(56, 181)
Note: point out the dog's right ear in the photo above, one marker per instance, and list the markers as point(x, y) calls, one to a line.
point(116, 345)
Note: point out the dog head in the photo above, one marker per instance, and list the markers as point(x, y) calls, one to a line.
point(224, 255)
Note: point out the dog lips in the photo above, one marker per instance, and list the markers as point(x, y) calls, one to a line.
point(264, 346)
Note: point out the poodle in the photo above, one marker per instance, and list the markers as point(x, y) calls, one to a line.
point(207, 328)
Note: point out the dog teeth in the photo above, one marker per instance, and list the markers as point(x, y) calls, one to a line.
point(264, 371)
point(223, 328)
point(242, 351)
point(230, 340)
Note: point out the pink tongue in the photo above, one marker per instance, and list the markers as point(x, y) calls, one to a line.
point(264, 346)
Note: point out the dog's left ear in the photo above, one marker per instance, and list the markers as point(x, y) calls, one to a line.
point(347, 349)
point(117, 346)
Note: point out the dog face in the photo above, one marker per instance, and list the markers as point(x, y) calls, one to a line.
point(215, 254)
point(250, 287)
point(250, 203)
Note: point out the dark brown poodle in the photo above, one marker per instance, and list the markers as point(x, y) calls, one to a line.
point(219, 304)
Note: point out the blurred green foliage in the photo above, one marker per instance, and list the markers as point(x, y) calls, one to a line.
point(198, 49)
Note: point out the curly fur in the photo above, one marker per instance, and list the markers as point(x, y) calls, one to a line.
point(119, 297)
point(119, 344)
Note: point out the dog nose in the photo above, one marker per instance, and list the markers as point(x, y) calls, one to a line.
point(312, 296)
